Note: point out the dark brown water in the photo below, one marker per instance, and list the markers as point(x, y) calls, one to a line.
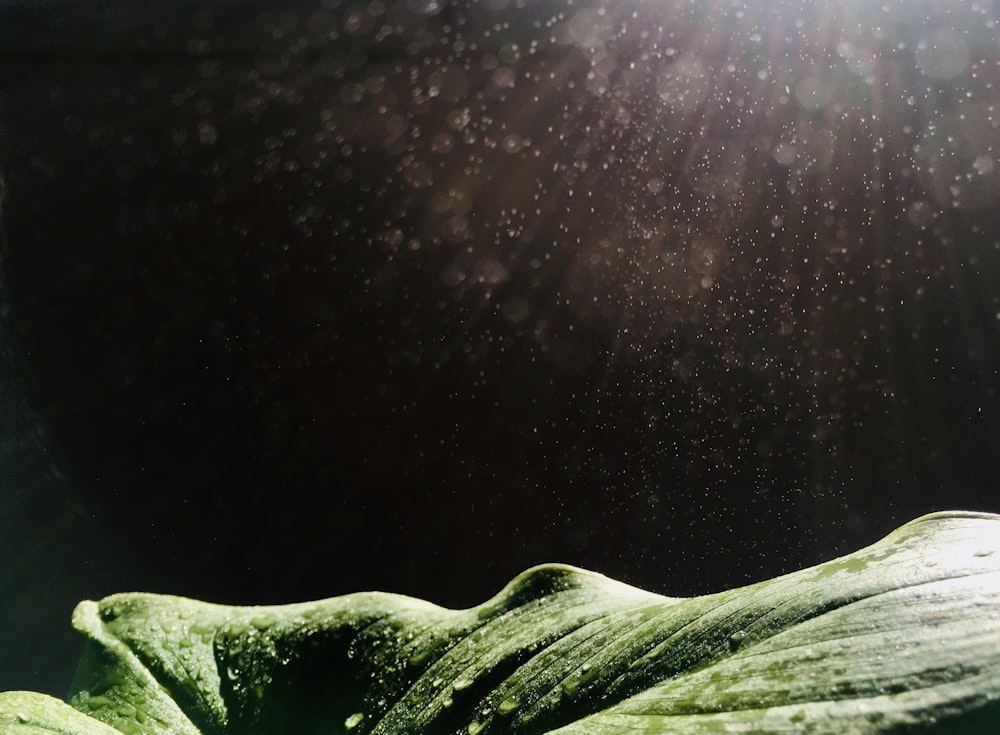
point(311, 297)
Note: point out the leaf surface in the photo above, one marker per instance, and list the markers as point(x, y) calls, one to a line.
point(902, 636)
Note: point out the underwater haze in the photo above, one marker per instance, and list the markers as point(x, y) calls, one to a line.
point(303, 298)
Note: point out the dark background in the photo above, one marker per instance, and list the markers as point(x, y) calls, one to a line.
point(307, 298)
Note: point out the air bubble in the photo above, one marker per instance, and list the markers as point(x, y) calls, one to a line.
point(508, 706)
point(736, 640)
point(353, 721)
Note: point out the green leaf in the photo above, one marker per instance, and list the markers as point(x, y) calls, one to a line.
point(30, 713)
point(903, 636)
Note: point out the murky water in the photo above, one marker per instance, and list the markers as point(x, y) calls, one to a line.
point(309, 297)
